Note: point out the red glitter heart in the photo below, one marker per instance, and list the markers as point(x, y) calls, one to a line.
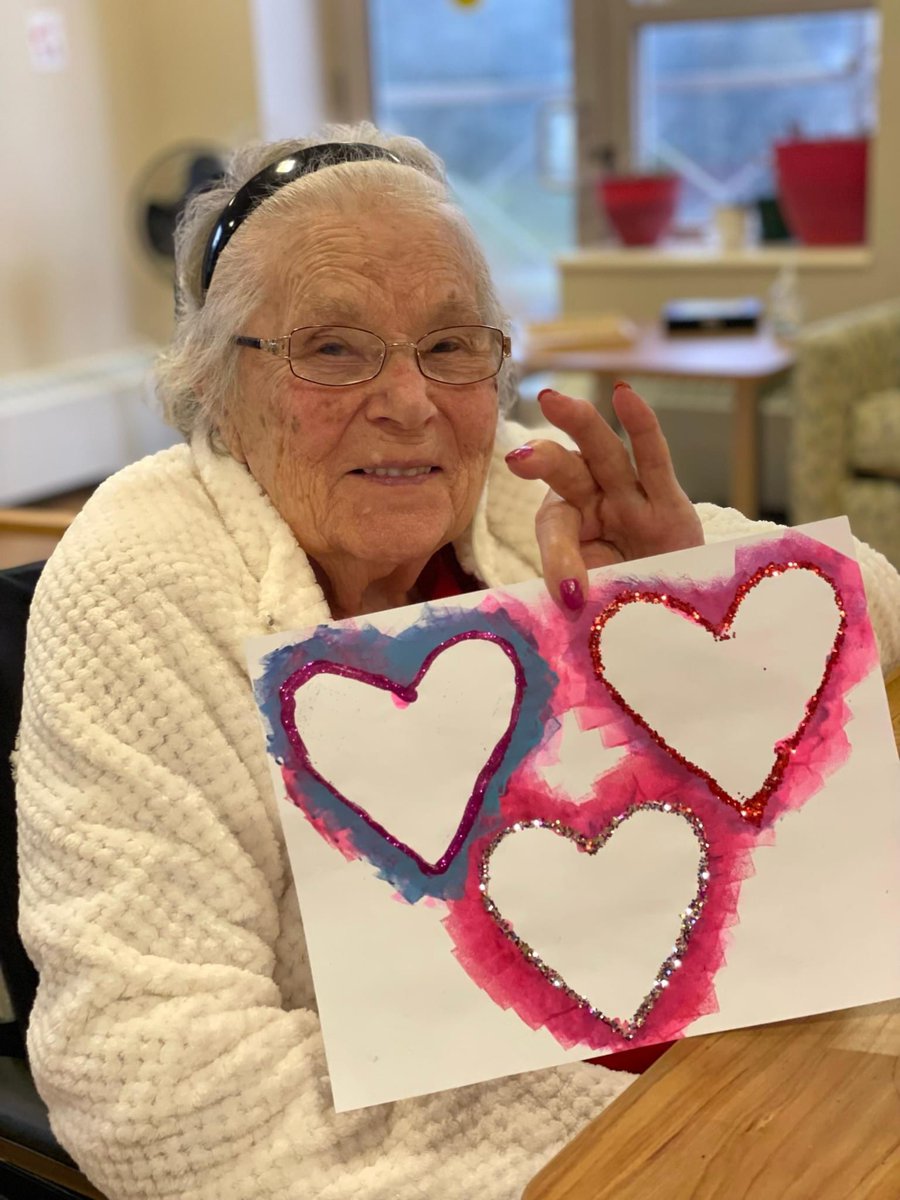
point(751, 808)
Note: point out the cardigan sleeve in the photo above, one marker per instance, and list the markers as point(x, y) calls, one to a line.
point(159, 1039)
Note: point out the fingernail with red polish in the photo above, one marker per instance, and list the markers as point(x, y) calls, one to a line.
point(545, 392)
point(519, 453)
point(571, 595)
point(621, 383)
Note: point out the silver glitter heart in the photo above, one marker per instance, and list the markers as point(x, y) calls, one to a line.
point(627, 1028)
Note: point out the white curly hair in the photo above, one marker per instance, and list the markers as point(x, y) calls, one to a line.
point(197, 373)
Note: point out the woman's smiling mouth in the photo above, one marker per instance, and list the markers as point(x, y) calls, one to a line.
point(396, 475)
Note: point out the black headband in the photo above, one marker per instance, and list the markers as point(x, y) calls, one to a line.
point(269, 180)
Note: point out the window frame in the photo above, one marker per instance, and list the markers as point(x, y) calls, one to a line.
point(605, 83)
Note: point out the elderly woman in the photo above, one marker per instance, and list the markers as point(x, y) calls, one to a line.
point(340, 373)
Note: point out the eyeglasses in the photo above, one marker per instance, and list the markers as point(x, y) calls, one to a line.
point(337, 356)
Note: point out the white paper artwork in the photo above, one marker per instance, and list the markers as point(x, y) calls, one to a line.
point(521, 839)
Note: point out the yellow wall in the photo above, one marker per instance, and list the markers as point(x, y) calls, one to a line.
point(140, 77)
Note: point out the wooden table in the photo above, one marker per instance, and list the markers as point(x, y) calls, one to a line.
point(801, 1110)
point(745, 361)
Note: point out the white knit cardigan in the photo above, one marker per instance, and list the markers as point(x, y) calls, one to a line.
point(175, 1037)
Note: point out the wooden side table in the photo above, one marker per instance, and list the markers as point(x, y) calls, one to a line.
point(745, 361)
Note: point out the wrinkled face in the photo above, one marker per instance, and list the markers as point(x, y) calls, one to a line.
point(314, 448)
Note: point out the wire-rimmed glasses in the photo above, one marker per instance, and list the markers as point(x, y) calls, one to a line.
point(340, 355)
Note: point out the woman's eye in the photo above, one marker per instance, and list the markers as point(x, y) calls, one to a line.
point(446, 346)
point(331, 349)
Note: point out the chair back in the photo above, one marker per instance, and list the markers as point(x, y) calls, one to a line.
point(17, 586)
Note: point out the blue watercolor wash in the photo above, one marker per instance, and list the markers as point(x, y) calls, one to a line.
point(399, 657)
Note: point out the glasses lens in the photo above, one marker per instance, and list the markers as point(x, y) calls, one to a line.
point(334, 354)
point(463, 354)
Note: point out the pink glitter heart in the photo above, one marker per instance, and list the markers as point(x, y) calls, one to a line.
point(406, 694)
point(752, 808)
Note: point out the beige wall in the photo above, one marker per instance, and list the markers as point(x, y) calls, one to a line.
point(140, 77)
point(63, 289)
point(825, 290)
point(178, 71)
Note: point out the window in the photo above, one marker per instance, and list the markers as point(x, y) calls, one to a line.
point(713, 96)
point(524, 98)
point(476, 84)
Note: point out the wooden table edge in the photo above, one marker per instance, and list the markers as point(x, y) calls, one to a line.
point(778, 357)
point(577, 363)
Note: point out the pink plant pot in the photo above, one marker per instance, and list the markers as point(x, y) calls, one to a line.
point(640, 208)
point(822, 189)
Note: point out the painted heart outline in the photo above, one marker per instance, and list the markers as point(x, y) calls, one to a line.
point(751, 809)
point(625, 1027)
point(407, 694)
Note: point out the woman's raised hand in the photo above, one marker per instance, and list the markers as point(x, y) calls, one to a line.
point(601, 507)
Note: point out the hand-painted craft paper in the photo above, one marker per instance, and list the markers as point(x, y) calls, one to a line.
point(521, 839)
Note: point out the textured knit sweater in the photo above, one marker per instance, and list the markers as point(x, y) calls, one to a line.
point(175, 1037)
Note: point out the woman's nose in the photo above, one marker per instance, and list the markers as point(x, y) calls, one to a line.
point(400, 392)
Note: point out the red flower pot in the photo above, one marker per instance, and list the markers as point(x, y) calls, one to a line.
point(639, 207)
point(822, 189)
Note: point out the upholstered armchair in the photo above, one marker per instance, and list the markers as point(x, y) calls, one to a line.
point(845, 456)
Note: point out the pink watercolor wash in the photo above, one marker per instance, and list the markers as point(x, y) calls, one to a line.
point(751, 808)
point(498, 966)
point(652, 772)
